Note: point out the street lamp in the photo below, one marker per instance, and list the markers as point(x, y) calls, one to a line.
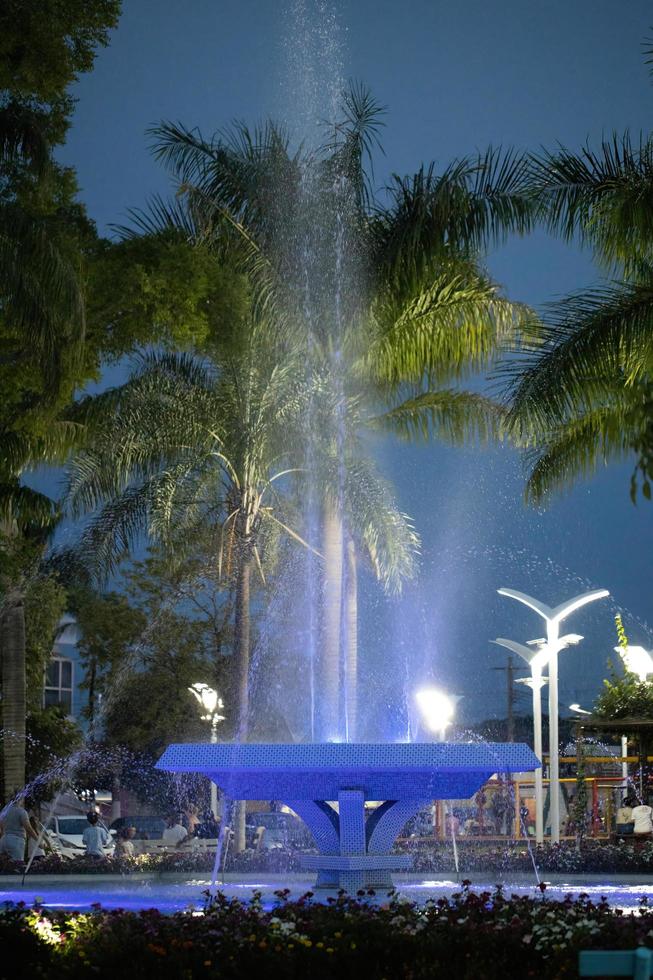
point(553, 616)
point(579, 711)
point(437, 709)
point(211, 703)
point(536, 660)
point(637, 660)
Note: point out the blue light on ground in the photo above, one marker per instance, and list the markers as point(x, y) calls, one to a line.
point(177, 896)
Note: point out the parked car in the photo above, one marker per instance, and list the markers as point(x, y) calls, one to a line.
point(281, 830)
point(147, 827)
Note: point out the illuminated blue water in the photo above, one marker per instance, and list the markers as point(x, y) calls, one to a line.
point(172, 896)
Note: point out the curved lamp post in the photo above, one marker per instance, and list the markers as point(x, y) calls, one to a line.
point(211, 703)
point(536, 660)
point(578, 710)
point(553, 616)
point(536, 654)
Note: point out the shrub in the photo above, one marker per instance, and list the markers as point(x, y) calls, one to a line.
point(483, 935)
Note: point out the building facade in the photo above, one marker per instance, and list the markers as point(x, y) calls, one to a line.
point(65, 674)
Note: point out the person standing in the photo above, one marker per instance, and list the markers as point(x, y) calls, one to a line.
point(16, 827)
point(95, 837)
point(191, 819)
point(642, 819)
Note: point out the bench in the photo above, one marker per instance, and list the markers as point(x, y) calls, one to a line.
point(636, 963)
point(196, 845)
point(630, 838)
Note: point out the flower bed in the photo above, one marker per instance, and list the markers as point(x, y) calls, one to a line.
point(272, 862)
point(594, 857)
point(485, 935)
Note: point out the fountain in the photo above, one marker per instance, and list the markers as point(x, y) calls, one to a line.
point(353, 851)
point(311, 237)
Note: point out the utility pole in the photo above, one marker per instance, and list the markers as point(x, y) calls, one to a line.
point(511, 698)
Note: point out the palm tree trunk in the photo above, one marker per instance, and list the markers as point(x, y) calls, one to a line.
point(242, 645)
point(328, 686)
point(242, 642)
point(92, 678)
point(351, 642)
point(116, 807)
point(12, 646)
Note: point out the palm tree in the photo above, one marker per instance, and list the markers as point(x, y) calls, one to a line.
point(183, 444)
point(187, 443)
point(388, 300)
point(582, 397)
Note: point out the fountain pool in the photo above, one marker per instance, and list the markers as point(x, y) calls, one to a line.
point(173, 893)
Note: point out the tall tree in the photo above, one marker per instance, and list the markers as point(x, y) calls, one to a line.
point(583, 397)
point(388, 298)
point(43, 234)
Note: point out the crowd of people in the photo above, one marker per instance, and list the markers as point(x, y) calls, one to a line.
point(24, 837)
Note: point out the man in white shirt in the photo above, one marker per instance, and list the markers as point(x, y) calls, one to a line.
point(95, 837)
point(174, 832)
point(642, 819)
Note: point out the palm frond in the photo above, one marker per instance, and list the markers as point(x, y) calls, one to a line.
point(159, 217)
point(448, 327)
point(604, 196)
point(26, 509)
point(605, 333)
point(21, 450)
point(386, 535)
point(456, 417)
point(473, 203)
point(576, 449)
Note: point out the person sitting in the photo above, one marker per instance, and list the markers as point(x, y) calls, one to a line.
point(625, 823)
point(175, 833)
point(642, 819)
point(125, 845)
point(95, 837)
point(208, 828)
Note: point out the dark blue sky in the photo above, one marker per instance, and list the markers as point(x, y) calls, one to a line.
point(455, 77)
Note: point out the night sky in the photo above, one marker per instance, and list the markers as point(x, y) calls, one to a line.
point(455, 77)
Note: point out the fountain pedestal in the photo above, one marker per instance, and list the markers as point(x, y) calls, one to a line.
point(354, 852)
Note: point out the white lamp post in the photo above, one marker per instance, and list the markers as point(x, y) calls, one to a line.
point(437, 709)
point(536, 660)
point(553, 617)
point(211, 703)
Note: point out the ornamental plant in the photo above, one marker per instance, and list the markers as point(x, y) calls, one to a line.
point(483, 935)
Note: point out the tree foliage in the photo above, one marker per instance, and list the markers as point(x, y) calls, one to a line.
point(44, 48)
point(625, 697)
point(582, 397)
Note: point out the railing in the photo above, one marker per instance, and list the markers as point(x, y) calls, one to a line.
point(636, 963)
